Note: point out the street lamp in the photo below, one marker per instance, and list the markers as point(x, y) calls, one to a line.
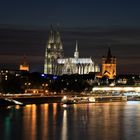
point(44, 86)
point(27, 85)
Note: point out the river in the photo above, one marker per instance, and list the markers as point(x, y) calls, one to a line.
point(94, 121)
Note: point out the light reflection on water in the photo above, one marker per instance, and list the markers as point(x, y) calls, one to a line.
point(97, 121)
point(64, 126)
point(29, 122)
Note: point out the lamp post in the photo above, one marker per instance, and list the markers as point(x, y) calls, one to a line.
point(44, 86)
point(27, 86)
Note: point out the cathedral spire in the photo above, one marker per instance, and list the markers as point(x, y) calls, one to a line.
point(76, 49)
point(57, 36)
point(51, 36)
point(54, 50)
point(76, 53)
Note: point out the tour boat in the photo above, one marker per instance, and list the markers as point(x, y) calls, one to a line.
point(92, 99)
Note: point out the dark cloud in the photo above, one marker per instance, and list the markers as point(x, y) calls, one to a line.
point(93, 42)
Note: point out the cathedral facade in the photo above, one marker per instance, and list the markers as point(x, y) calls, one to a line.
point(77, 65)
point(57, 64)
point(54, 50)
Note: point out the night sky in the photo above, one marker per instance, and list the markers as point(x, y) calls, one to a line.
point(96, 24)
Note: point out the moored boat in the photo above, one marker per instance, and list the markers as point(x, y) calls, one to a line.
point(76, 100)
point(92, 99)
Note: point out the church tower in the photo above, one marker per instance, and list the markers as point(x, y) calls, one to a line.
point(54, 50)
point(24, 65)
point(109, 65)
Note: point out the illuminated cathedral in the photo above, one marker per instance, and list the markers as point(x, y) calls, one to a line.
point(77, 65)
point(54, 50)
point(57, 64)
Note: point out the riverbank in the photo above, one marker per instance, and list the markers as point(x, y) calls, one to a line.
point(23, 100)
point(4, 101)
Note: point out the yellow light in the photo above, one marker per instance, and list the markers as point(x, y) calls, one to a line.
point(137, 89)
point(64, 105)
point(92, 99)
point(65, 97)
point(17, 107)
point(116, 88)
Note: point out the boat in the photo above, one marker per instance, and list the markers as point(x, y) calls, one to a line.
point(76, 100)
point(92, 99)
point(68, 100)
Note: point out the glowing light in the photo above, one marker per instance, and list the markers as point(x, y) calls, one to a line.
point(92, 99)
point(136, 89)
point(64, 126)
point(54, 77)
point(117, 88)
point(17, 107)
point(64, 105)
point(64, 98)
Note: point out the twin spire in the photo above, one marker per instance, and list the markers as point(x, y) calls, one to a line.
point(54, 35)
point(55, 38)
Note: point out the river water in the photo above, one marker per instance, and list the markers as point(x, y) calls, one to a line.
point(94, 121)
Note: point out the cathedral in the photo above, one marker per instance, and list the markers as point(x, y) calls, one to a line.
point(77, 65)
point(57, 64)
point(54, 50)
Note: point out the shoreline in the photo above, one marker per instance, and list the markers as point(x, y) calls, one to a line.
point(5, 101)
point(14, 100)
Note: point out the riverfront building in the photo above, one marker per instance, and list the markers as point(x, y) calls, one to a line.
point(54, 50)
point(24, 66)
point(57, 64)
point(77, 65)
point(109, 65)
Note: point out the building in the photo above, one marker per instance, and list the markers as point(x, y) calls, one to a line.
point(109, 65)
point(24, 66)
point(54, 50)
point(56, 64)
point(77, 65)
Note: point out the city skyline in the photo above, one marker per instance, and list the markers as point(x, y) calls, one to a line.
point(80, 81)
point(93, 42)
point(97, 25)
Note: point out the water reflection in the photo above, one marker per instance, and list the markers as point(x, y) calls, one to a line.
point(29, 122)
point(44, 121)
point(103, 121)
point(7, 128)
point(131, 124)
point(54, 119)
point(64, 126)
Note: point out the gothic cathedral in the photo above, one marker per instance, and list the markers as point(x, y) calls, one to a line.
point(54, 50)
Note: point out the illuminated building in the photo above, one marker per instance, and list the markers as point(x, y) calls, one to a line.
point(77, 65)
point(25, 65)
point(109, 65)
point(54, 50)
point(56, 64)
